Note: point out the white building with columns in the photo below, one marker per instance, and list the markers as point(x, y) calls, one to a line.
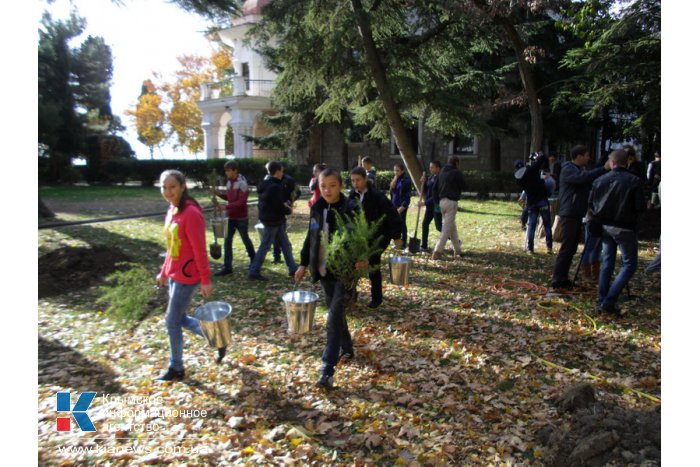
point(241, 102)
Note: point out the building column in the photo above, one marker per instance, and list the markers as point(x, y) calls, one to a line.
point(213, 141)
point(241, 147)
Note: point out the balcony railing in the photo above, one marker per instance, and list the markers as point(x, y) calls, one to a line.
point(236, 86)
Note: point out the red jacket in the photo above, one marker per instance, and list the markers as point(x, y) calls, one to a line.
point(315, 190)
point(237, 197)
point(186, 257)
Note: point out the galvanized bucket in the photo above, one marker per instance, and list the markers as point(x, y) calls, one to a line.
point(260, 228)
point(213, 319)
point(219, 227)
point(300, 306)
point(398, 269)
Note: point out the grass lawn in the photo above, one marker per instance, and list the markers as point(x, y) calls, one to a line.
point(446, 371)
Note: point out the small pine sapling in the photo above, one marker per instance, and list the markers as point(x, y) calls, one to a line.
point(352, 244)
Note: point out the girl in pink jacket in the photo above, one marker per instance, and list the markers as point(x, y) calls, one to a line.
point(186, 266)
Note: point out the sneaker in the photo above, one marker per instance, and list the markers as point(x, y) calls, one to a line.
point(172, 375)
point(530, 252)
point(257, 277)
point(437, 255)
point(424, 250)
point(325, 381)
point(222, 354)
point(550, 251)
point(224, 272)
point(347, 354)
point(374, 303)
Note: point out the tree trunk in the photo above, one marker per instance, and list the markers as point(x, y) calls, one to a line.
point(403, 138)
point(44, 210)
point(527, 77)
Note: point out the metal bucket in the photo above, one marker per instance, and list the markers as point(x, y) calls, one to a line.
point(260, 228)
point(213, 319)
point(398, 269)
point(300, 307)
point(219, 227)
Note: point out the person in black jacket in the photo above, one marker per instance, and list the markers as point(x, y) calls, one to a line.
point(634, 166)
point(432, 208)
point(553, 168)
point(447, 191)
point(574, 186)
point(376, 206)
point(537, 204)
point(616, 201)
point(290, 192)
point(400, 189)
point(323, 222)
point(272, 209)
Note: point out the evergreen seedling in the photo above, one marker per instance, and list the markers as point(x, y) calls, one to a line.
point(357, 241)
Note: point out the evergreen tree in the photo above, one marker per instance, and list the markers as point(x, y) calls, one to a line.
point(618, 69)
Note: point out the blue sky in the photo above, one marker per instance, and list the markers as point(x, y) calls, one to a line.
point(145, 36)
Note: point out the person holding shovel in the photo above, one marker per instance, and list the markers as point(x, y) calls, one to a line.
point(325, 220)
point(186, 266)
point(236, 195)
point(376, 206)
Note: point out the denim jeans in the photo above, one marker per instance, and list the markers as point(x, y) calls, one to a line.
point(337, 333)
point(612, 239)
point(277, 249)
point(592, 248)
point(430, 214)
point(533, 212)
point(176, 318)
point(242, 226)
point(271, 234)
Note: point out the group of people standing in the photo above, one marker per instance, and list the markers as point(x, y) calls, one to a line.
point(612, 195)
point(605, 201)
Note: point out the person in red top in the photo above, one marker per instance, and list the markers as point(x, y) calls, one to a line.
point(185, 268)
point(313, 183)
point(236, 195)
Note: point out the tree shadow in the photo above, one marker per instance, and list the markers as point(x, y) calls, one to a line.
point(63, 366)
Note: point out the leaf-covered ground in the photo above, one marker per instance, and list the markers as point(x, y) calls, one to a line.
point(459, 367)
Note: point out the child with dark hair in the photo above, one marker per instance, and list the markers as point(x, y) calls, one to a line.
point(430, 206)
point(236, 195)
point(272, 209)
point(325, 220)
point(291, 193)
point(376, 206)
point(400, 188)
point(313, 183)
point(186, 266)
point(368, 165)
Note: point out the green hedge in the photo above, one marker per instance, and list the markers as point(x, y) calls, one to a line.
point(483, 183)
point(148, 171)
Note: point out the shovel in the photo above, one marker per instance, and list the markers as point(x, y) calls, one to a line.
point(217, 226)
point(414, 242)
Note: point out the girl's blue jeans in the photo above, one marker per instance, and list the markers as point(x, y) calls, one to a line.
point(176, 318)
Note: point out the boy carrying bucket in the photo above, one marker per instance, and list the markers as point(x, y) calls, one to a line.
point(325, 220)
